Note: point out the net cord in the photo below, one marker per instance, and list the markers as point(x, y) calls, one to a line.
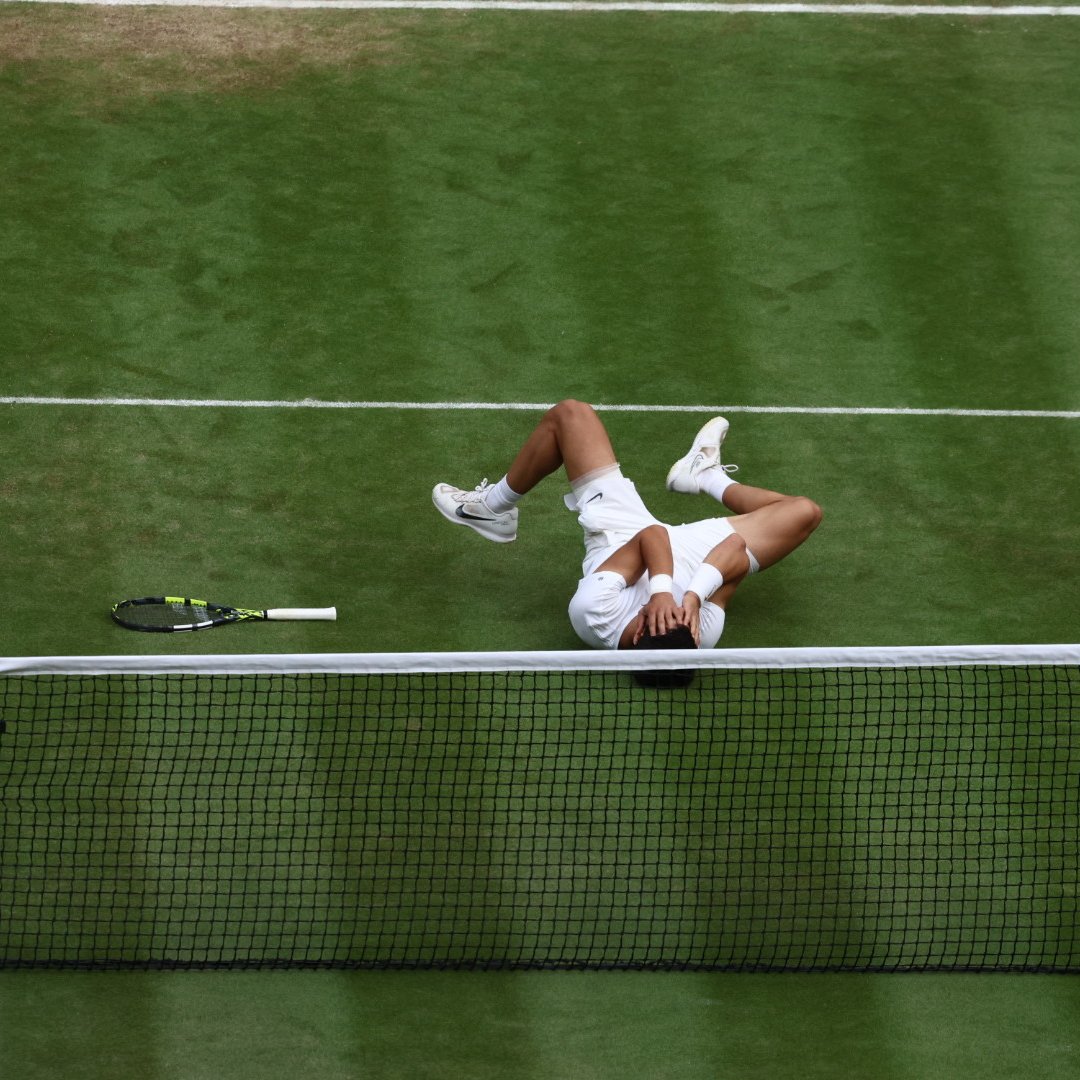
point(585, 660)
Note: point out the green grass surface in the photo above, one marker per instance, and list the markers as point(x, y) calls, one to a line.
point(539, 1027)
point(794, 211)
point(487, 208)
point(802, 211)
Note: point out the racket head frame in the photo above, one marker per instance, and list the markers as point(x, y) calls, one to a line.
point(126, 614)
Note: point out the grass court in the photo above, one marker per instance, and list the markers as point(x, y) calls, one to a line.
point(653, 209)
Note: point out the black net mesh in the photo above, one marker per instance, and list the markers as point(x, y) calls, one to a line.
point(795, 820)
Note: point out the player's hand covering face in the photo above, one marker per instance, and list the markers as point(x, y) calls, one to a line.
point(660, 616)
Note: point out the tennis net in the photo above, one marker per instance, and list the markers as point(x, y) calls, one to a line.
point(789, 810)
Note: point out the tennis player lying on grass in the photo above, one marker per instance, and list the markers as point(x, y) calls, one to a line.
point(645, 584)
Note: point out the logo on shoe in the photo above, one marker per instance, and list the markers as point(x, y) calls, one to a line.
point(460, 512)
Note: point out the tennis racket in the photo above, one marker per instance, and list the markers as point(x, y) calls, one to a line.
point(173, 614)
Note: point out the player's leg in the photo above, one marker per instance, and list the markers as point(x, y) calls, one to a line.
point(570, 434)
point(772, 524)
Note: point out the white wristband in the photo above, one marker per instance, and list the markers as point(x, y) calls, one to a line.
point(706, 580)
point(659, 583)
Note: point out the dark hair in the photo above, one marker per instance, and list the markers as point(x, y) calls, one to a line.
point(670, 678)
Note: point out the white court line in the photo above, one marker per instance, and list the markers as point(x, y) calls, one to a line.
point(964, 11)
point(529, 406)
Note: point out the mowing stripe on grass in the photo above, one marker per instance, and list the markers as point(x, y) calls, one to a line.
point(966, 11)
point(532, 406)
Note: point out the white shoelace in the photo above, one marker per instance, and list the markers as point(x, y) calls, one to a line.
point(476, 495)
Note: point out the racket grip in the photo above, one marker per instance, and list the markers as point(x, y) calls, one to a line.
point(327, 614)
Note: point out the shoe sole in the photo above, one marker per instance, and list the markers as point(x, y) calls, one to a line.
point(455, 520)
point(704, 437)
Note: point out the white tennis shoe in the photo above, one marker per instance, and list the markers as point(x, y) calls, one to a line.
point(468, 508)
point(685, 475)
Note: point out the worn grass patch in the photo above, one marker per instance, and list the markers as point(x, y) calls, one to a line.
point(146, 51)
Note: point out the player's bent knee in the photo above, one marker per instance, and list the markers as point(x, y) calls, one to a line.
point(578, 423)
point(807, 512)
point(571, 410)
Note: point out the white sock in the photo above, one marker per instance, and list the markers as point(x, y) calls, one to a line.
point(715, 482)
point(501, 497)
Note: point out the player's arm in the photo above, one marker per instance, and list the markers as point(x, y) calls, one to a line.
point(715, 580)
point(650, 552)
